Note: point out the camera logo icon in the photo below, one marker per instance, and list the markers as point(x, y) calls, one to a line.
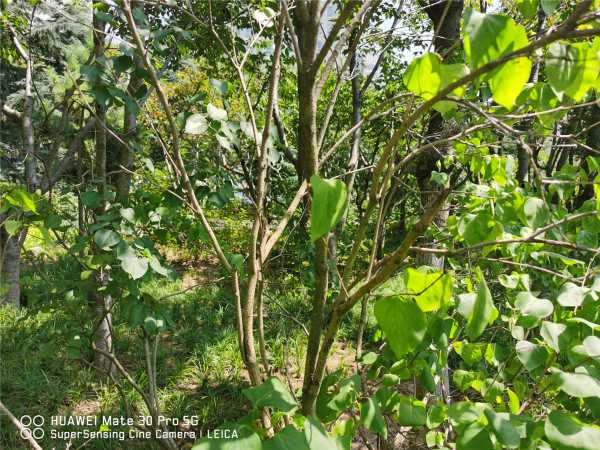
point(33, 427)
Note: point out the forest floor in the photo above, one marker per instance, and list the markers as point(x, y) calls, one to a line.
point(200, 372)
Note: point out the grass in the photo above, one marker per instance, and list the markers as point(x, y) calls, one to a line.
point(200, 371)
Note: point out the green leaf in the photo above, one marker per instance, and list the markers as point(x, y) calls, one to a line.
point(403, 323)
point(122, 63)
point(21, 199)
point(509, 79)
point(463, 412)
point(555, 335)
point(242, 438)
point(549, 6)
point(483, 309)
point(328, 204)
point(576, 384)
point(136, 267)
point(316, 435)
point(130, 262)
point(586, 239)
point(287, 439)
point(432, 290)
point(489, 37)
point(216, 113)
point(196, 124)
point(156, 266)
point(591, 345)
point(536, 212)
point(506, 433)
point(91, 199)
point(527, 7)
point(566, 432)
point(426, 76)
point(271, 393)
point(531, 356)
point(346, 395)
point(571, 295)
point(221, 87)
point(410, 411)
point(474, 437)
point(128, 214)
point(371, 417)
point(106, 239)
point(436, 414)
point(514, 404)
point(531, 306)
point(480, 227)
point(439, 178)
point(572, 69)
point(12, 226)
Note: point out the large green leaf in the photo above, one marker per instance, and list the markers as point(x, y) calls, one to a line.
point(504, 430)
point(316, 435)
point(489, 37)
point(483, 309)
point(287, 439)
point(12, 226)
point(410, 411)
point(591, 345)
point(531, 306)
point(371, 417)
point(565, 432)
point(346, 395)
point(328, 203)
point(536, 212)
point(106, 239)
point(431, 290)
point(531, 355)
point(474, 437)
point(236, 438)
point(403, 323)
point(480, 227)
point(21, 199)
point(216, 113)
point(555, 335)
point(272, 393)
point(549, 6)
point(571, 295)
point(527, 7)
point(463, 412)
point(572, 69)
point(136, 267)
point(576, 384)
point(427, 75)
point(196, 124)
point(131, 262)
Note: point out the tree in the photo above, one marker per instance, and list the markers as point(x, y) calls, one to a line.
point(453, 193)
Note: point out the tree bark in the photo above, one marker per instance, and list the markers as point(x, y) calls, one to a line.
point(126, 149)
point(11, 270)
point(101, 303)
point(12, 252)
point(445, 16)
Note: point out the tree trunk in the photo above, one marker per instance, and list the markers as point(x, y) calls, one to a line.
point(592, 141)
point(101, 303)
point(307, 24)
point(11, 266)
point(11, 269)
point(126, 152)
point(445, 16)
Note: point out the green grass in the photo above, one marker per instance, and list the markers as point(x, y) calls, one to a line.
point(200, 371)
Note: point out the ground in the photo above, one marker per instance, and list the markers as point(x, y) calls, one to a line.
point(200, 371)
